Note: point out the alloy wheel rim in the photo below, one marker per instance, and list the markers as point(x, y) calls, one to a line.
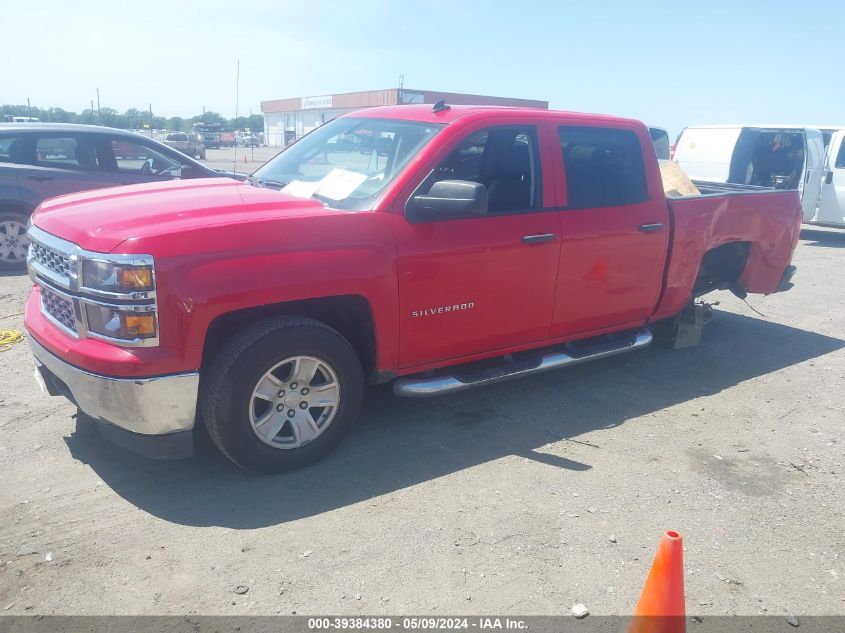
point(294, 402)
point(14, 242)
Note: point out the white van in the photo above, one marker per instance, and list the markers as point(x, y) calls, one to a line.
point(780, 156)
point(831, 209)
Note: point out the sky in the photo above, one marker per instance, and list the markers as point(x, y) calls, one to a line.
point(670, 64)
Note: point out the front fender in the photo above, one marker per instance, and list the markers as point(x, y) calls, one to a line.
point(212, 271)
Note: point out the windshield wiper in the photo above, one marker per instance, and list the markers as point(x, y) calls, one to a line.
point(261, 182)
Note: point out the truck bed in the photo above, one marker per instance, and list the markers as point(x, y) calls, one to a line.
point(769, 220)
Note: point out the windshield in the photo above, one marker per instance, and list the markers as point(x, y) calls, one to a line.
point(348, 161)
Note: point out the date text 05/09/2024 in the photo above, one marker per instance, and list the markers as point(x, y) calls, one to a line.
point(416, 623)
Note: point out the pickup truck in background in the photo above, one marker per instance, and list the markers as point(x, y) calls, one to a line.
point(189, 144)
point(439, 248)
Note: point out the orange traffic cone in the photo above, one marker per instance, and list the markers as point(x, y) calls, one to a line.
point(661, 606)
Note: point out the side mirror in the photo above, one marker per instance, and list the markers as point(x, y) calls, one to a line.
point(451, 199)
point(189, 171)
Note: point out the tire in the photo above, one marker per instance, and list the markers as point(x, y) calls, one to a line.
point(13, 240)
point(230, 402)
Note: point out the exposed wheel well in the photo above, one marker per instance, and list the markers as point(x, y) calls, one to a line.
point(350, 315)
point(721, 268)
point(17, 207)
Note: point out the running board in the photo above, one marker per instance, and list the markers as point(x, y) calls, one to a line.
point(421, 387)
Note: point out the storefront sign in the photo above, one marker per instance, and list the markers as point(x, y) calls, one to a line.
point(310, 103)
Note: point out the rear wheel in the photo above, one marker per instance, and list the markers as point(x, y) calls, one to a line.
point(282, 394)
point(14, 242)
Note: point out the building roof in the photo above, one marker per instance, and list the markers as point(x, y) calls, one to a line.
point(391, 96)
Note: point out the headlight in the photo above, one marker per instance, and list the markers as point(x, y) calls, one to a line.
point(117, 277)
point(120, 322)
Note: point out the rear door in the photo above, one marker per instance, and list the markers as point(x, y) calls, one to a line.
point(615, 230)
point(61, 163)
point(813, 173)
point(832, 205)
point(480, 284)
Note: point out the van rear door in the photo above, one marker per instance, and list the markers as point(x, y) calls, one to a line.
point(705, 153)
point(813, 173)
point(832, 204)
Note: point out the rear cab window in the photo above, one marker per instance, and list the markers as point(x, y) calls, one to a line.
point(604, 167)
point(662, 146)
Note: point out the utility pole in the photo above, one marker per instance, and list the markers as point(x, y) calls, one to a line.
point(237, 94)
point(151, 120)
point(92, 110)
point(99, 116)
point(28, 109)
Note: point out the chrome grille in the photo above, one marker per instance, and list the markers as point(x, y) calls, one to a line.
point(59, 308)
point(52, 260)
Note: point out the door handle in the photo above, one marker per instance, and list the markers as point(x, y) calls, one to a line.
point(538, 239)
point(651, 228)
point(829, 179)
point(41, 178)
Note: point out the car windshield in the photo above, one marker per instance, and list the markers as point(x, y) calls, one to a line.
point(347, 162)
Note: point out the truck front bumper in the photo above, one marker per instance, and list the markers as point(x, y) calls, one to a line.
point(151, 416)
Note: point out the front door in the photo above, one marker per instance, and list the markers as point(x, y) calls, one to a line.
point(480, 284)
point(832, 204)
point(134, 161)
point(615, 236)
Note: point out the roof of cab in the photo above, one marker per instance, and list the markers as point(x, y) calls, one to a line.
point(424, 113)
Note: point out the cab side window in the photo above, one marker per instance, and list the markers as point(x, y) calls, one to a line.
point(13, 149)
point(604, 167)
point(67, 152)
point(506, 160)
point(137, 158)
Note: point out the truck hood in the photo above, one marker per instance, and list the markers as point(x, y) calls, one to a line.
point(101, 220)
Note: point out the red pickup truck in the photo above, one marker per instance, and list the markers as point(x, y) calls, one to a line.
point(439, 248)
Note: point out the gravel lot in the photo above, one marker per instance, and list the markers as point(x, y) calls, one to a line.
point(500, 500)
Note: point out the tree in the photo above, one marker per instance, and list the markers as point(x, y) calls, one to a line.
point(176, 123)
point(135, 118)
point(208, 117)
point(57, 115)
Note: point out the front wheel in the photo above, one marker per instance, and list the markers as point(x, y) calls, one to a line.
point(282, 394)
point(14, 242)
